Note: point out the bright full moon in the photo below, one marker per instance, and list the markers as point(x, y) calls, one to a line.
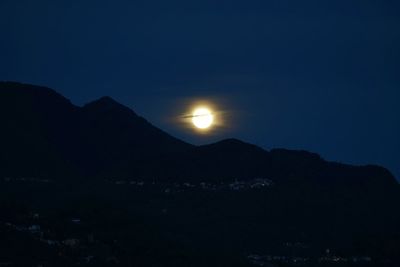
point(202, 118)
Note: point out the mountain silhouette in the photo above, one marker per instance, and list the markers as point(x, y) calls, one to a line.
point(45, 135)
point(89, 151)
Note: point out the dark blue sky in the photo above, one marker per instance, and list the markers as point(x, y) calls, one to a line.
point(316, 75)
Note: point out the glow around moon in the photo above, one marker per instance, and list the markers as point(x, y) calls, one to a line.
point(202, 118)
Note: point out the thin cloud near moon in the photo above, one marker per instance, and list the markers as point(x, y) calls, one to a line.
point(225, 118)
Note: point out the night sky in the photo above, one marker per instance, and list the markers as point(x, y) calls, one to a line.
point(316, 75)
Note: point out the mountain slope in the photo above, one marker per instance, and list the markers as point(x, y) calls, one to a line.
point(36, 130)
point(308, 204)
point(44, 135)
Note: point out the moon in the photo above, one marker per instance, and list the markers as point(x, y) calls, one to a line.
point(202, 118)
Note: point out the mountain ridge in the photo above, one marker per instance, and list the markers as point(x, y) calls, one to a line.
point(104, 163)
point(112, 140)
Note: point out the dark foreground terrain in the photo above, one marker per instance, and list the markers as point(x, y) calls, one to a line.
point(136, 223)
point(99, 185)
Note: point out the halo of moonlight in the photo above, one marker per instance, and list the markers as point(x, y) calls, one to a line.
point(202, 118)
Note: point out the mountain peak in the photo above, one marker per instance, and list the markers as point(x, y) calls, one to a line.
point(235, 144)
point(104, 100)
point(107, 104)
point(230, 141)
